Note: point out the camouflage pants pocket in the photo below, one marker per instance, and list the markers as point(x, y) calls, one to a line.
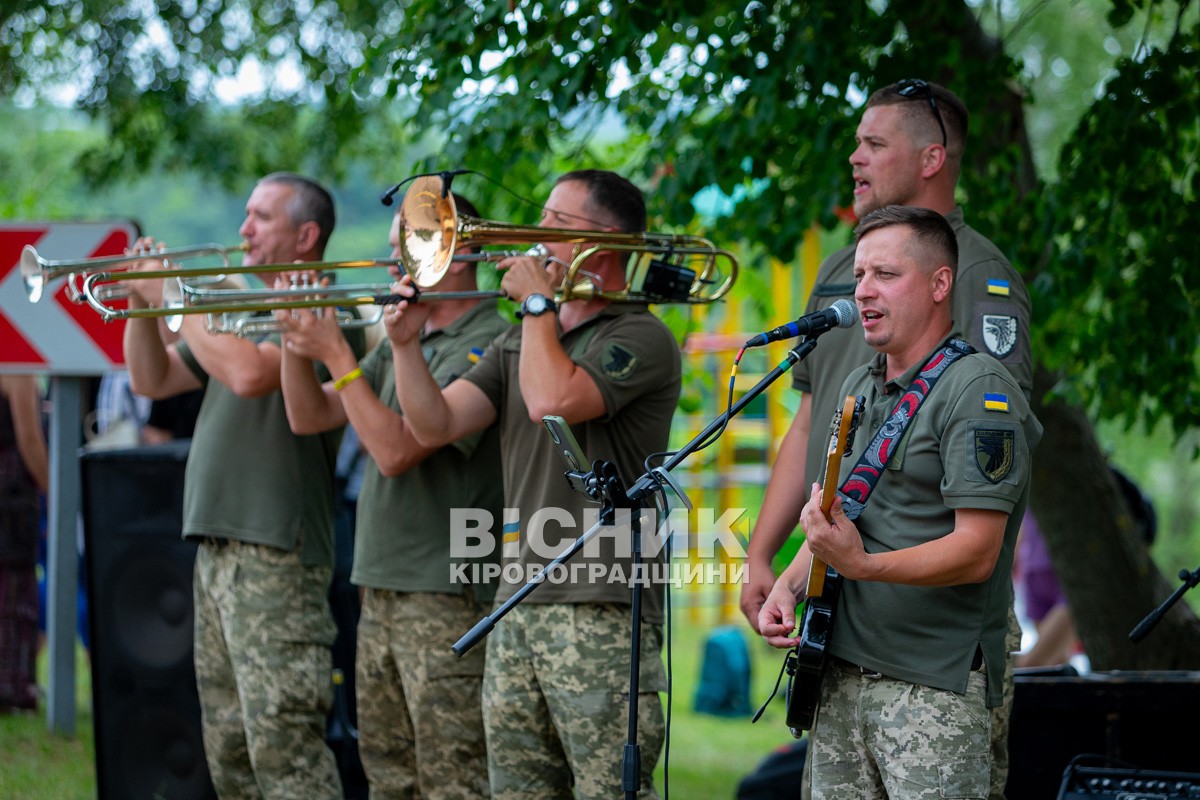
point(877, 737)
point(556, 694)
point(420, 718)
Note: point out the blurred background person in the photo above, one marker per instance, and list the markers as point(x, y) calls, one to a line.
point(24, 474)
point(1042, 602)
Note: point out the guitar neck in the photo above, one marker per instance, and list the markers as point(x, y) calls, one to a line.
point(816, 578)
point(833, 465)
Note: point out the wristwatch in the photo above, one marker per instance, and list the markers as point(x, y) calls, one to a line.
point(536, 304)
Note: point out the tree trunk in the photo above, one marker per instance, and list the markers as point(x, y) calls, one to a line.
point(1103, 565)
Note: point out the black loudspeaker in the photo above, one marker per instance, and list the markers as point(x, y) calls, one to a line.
point(145, 708)
point(1129, 719)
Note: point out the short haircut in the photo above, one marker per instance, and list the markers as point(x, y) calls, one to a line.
point(464, 206)
point(311, 202)
point(613, 200)
point(933, 242)
point(918, 113)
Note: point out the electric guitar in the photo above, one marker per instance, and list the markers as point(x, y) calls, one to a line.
point(808, 661)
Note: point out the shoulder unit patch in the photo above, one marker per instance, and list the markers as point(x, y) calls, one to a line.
point(999, 334)
point(994, 453)
point(617, 362)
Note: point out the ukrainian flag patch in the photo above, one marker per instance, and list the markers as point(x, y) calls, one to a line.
point(511, 532)
point(997, 286)
point(995, 401)
point(474, 355)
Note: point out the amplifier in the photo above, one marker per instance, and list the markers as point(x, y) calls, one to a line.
point(1118, 720)
point(1095, 783)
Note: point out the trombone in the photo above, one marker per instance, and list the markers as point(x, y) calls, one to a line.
point(433, 229)
point(232, 310)
point(38, 272)
point(228, 311)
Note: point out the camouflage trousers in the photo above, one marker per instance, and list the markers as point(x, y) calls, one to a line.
point(876, 737)
point(1000, 720)
point(420, 724)
point(264, 672)
point(556, 702)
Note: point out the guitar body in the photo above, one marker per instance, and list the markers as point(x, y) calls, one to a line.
point(811, 655)
point(808, 661)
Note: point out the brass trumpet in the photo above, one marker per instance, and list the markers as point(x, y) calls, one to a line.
point(185, 297)
point(225, 305)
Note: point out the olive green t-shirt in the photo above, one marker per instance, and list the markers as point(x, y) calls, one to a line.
point(249, 478)
point(402, 537)
point(635, 362)
point(968, 447)
point(989, 303)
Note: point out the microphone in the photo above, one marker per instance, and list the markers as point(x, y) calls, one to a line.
point(447, 177)
point(386, 197)
point(841, 314)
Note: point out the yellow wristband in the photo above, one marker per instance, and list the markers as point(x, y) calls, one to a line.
point(347, 379)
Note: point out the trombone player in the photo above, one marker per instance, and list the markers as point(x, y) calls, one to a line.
point(259, 501)
point(557, 667)
point(419, 715)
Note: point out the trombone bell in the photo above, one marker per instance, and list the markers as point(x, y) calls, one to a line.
point(428, 217)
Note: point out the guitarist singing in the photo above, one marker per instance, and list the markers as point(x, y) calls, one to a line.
point(921, 532)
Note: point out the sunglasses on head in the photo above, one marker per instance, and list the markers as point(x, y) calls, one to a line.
point(919, 89)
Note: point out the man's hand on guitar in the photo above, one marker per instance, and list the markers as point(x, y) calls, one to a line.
point(777, 619)
point(835, 538)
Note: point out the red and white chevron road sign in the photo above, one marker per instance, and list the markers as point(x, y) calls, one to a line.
point(56, 335)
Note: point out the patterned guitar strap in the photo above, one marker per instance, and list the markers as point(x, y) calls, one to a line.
point(866, 473)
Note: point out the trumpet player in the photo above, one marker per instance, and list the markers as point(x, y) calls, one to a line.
point(259, 502)
point(419, 715)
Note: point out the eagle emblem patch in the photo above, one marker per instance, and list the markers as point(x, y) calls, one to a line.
point(618, 363)
point(994, 450)
point(999, 334)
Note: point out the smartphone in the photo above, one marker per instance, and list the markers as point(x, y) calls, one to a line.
point(572, 455)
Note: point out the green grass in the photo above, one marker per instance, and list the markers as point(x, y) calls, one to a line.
point(36, 764)
point(708, 755)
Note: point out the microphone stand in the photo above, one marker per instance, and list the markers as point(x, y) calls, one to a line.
point(605, 483)
point(1190, 581)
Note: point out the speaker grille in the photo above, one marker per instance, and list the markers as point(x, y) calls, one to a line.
point(151, 610)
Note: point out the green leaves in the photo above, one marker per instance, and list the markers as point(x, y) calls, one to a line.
point(1123, 300)
point(757, 98)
